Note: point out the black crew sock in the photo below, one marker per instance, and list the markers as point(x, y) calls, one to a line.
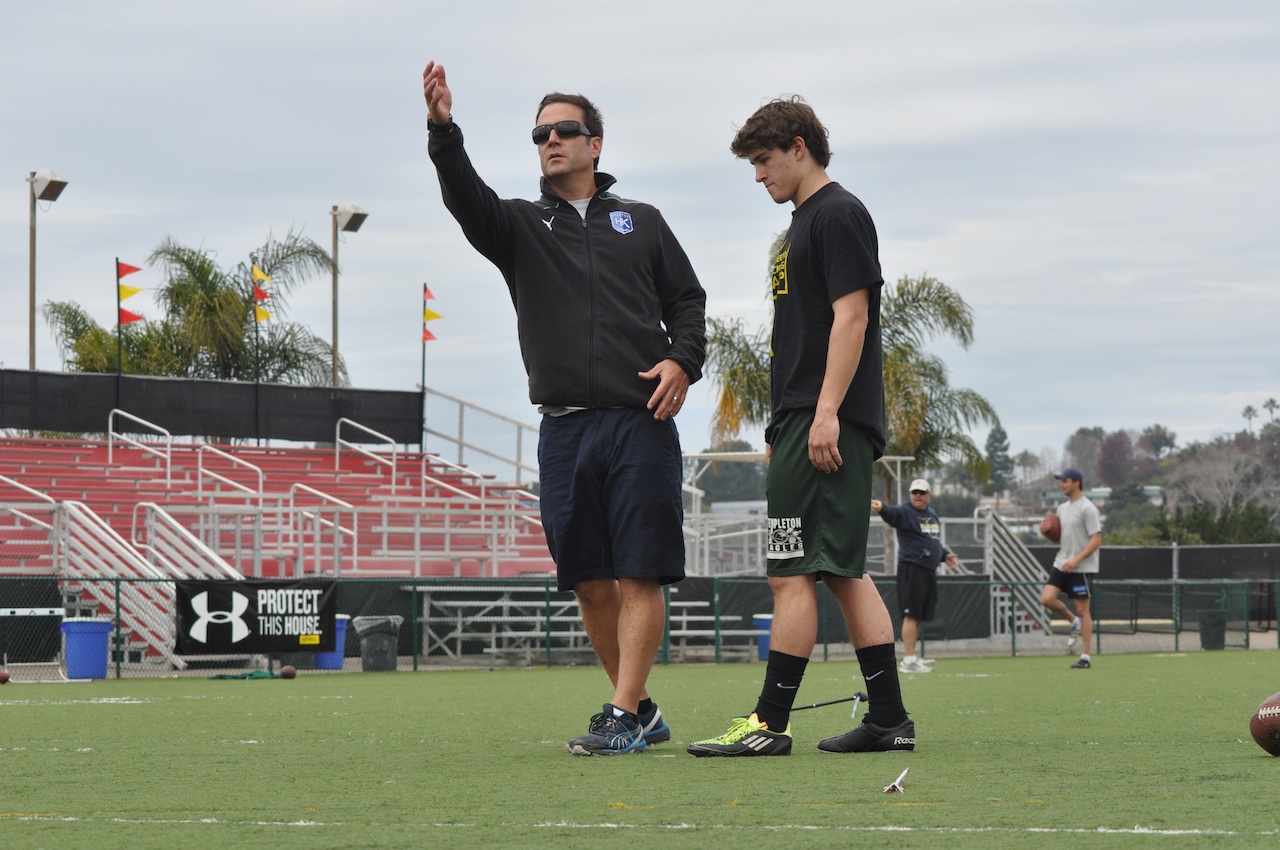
point(781, 683)
point(880, 671)
point(646, 706)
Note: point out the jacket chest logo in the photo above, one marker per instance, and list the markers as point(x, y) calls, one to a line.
point(621, 221)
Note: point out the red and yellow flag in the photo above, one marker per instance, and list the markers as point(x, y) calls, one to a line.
point(428, 315)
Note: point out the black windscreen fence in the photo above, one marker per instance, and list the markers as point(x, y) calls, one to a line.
point(81, 403)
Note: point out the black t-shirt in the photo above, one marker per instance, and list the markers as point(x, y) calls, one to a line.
point(830, 250)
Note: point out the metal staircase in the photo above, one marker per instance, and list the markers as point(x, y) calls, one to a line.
point(1015, 605)
point(88, 553)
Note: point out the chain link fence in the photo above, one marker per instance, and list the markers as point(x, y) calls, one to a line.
point(55, 629)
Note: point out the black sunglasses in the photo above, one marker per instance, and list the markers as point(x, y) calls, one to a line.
point(564, 129)
point(919, 492)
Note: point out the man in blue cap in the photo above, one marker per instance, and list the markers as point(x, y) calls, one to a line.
point(1076, 561)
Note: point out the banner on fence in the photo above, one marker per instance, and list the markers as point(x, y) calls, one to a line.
point(222, 617)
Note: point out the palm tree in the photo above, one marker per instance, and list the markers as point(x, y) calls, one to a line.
point(925, 415)
point(1271, 405)
point(208, 330)
point(739, 359)
point(1249, 413)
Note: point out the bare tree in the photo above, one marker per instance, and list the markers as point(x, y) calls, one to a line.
point(1220, 475)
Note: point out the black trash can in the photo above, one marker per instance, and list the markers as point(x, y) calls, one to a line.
point(379, 640)
point(1213, 628)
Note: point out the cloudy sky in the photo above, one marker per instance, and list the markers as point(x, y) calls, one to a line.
point(1100, 180)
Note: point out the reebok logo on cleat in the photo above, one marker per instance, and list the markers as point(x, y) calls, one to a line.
point(897, 741)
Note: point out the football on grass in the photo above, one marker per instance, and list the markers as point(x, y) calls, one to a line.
point(1265, 725)
point(1051, 527)
point(287, 672)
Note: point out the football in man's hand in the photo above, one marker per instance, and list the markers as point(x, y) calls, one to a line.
point(1265, 724)
point(1051, 526)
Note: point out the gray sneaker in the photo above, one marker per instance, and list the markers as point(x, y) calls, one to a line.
point(609, 735)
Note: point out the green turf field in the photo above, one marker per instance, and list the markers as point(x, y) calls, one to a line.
point(1140, 751)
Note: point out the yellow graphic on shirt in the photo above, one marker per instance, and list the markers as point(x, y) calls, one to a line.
point(778, 277)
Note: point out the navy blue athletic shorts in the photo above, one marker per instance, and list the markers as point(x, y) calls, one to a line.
point(609, 484)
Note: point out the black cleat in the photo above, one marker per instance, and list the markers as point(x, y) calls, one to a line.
point(870, 738)
point(747, 736)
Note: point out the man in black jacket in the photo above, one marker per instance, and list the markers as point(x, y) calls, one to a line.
point(612, 327)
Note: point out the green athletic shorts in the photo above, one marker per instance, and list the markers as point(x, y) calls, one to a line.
point(817, 521)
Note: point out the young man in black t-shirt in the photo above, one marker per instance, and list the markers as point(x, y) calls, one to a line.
point(826, 431)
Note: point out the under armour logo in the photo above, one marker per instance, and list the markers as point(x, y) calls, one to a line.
point(548, 222)
point(200, 629)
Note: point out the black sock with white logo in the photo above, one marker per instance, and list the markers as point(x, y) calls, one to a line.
point(781, 683)
point(880, 671)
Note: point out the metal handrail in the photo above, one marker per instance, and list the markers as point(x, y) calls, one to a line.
point(201, 472)
point(157, 514)
point(519, 492)
point(166, 455)
point(297, 516)
point(44, 497)
point(338, 443)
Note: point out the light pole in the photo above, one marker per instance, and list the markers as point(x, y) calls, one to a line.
point(346, 217)
point(45, 186)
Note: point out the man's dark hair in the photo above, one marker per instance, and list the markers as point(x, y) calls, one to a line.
point(776, 125)
point(590, 115)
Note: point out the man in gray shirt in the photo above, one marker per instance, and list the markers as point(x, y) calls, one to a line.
point(1077, 559)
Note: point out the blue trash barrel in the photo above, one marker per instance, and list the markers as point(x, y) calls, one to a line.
point(87, 646)
point(765, 622)
point(333, 660)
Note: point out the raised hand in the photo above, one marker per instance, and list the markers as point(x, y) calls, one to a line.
point(436, 91)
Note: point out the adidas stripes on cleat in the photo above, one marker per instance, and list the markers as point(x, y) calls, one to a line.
point(747, 736)
point(611, 733)
point(871, 738)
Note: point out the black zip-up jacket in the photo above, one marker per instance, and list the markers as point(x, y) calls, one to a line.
point(597, 300)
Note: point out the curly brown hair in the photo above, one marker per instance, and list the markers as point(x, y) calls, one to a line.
point(776, 125)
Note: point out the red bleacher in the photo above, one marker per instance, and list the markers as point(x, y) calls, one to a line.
point(406, 524)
